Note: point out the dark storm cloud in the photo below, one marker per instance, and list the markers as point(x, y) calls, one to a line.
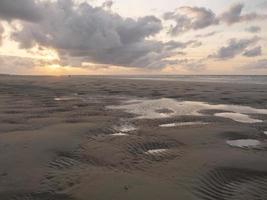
point(253, 29)
point(234, 15)
point(28, 10)
point(93, 34)
point(190, 18)
point(256, 51)
point(235, 47)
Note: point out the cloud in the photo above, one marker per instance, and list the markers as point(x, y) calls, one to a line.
point(1, 33)
point(259, 64)
point(28, 10)
point(190, 18)
point(191, 64)
point(253, 29)
point(206, 34)
point(13, 61)
point(195, 18)
point(234, 48)
point(263, 5)
point(84, 33)
point(234, 15)
point(256, 51)
point(21, 65)
point(181, 45)
point(107, 4)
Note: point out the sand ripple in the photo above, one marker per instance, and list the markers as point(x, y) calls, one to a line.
point(232, 184)
point(156, 150)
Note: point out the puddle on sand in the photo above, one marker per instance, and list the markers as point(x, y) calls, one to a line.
point(164, 111)
point(245, 143)
point(148, 109)
point(124, 130)
point(67, 98)
point(182, 124)
point(120, 134)
point(64, 98)
point(156, 151)
point(238, 117)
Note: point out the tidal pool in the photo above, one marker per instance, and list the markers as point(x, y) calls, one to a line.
point(125, 128)
point(156, 151)
point(120, 134)
point(182, 124)
point(65, 98)
point(238, 117)
point(149, 109)
point(244, 143)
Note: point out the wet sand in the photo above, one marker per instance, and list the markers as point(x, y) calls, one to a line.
point(67, 138)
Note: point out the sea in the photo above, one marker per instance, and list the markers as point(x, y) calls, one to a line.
point(238, 79)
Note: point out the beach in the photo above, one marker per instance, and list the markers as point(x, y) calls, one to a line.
point(106, 137)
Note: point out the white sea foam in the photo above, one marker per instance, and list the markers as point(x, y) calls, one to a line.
point(243, 118)
point(265, 132)
point(245, 143)
point(148, 109)
point(182, 124)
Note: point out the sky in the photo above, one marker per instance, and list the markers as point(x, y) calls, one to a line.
point(96, 37)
